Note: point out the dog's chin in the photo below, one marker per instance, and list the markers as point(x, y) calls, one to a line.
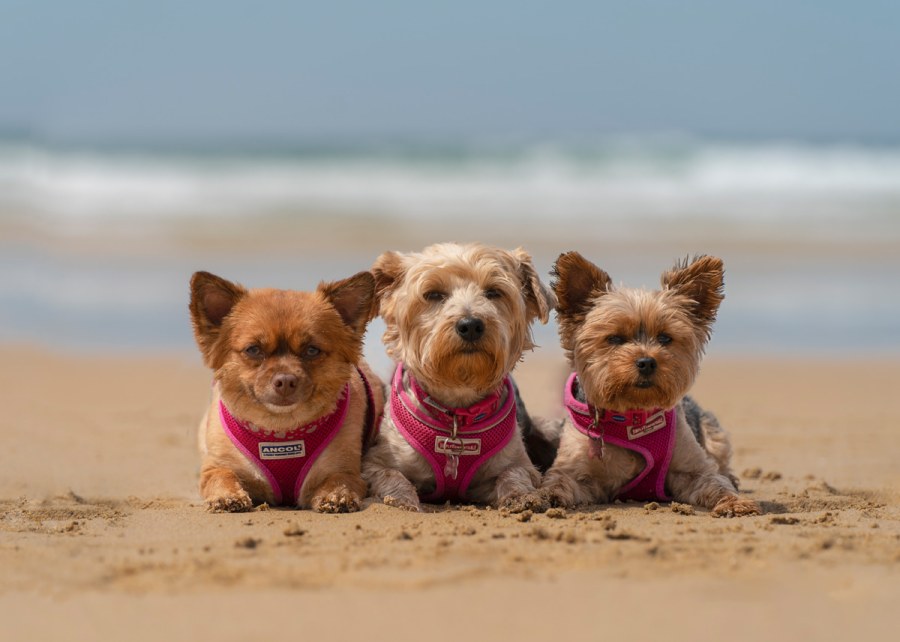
point(643, 394)
point(274, 404)
point(465, 371)
point(648, 394)
point(280, 408)
point(474, 359)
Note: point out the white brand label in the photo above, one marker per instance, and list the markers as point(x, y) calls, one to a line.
point(652, 424)
point(282, 449)
point(458, 447)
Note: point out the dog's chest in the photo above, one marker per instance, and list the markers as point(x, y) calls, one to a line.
point(617, 467)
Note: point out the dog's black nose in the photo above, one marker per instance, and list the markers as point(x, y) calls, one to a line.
point(470, 328)
point(284, 384)
point(646, 365)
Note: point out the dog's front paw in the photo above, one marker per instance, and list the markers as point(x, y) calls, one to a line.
point(403, 503)
point(559, 495)
point(238, 502)
point(340, 500)
point(735, 506)
point(520, 502)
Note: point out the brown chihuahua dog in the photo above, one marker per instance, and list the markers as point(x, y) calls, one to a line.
point(293, 402)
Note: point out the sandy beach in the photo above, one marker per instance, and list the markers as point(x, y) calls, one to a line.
point(103, 535)
point(283, 145)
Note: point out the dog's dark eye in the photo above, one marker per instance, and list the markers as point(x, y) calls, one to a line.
point(663, 339)
point(434, 296)
point(492, 293)
point(615, 339)
point(254, 352)
point(311, 351)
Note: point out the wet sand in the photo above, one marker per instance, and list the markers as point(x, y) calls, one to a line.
point(103, 535)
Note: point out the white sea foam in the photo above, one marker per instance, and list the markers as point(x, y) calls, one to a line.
point(852, 188)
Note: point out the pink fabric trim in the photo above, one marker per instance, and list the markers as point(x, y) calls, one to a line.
point(286, 475)
point(423, 430)
point(641, 431)
point(231, 426)
point(479, 411)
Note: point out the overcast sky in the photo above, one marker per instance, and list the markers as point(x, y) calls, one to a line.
point(292, 70)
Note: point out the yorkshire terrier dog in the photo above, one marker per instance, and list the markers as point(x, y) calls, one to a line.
point(293, 403)
point(458, 319)
point(631, 432)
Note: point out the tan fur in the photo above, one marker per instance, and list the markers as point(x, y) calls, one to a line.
point(604, 331)
point(421, 296)
point(227, 319)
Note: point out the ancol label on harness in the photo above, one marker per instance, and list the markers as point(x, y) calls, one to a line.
point(281, 449)
point(458, 447)
point(652, 424)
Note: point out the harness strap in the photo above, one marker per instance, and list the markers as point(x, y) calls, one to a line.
point(286, 460)
point(651, 434)
point(455, 452)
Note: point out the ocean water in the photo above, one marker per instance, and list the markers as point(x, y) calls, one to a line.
point(93, 253)
point(827, 191)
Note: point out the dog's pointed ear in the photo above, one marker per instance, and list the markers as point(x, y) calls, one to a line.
point(353, 298)
point(577, 282)
point(212, 299)
point(388, 271)
point(702, 281)
point(539, 299)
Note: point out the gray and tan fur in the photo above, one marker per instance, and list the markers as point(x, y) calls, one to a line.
point(605, 331)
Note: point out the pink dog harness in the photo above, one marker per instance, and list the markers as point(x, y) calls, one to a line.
point(286, 460)
point(456, 442)
point(650, 433)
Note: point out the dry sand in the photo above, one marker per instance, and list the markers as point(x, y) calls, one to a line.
point(103, 536)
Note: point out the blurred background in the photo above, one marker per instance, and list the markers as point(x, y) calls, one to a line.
point(281, 143)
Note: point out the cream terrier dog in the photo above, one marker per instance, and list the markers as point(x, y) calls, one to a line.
point(458, 320)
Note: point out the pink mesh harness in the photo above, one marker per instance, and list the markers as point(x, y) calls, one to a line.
point(650, 433)
point(285, 460)
point(456, 442)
